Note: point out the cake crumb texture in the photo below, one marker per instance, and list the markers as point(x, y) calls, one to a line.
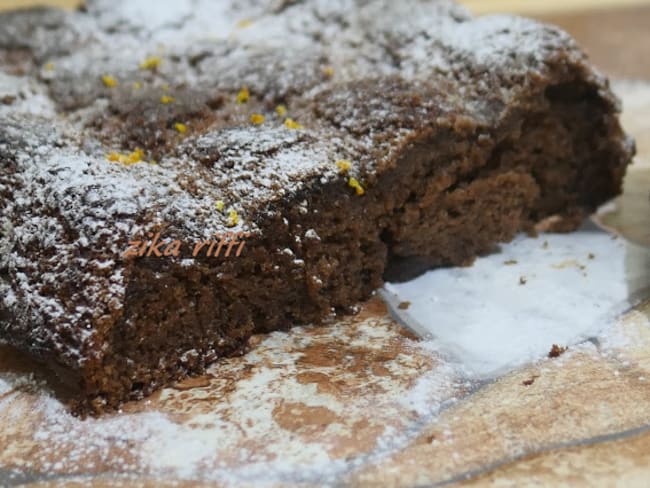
point(196, 118)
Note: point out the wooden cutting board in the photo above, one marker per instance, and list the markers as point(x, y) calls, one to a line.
point(356, 403)
point(360, 402)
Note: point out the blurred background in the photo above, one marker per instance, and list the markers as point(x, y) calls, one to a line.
point(615, 33)
point(527, 6)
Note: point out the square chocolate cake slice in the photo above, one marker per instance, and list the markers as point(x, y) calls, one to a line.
point(176, 176)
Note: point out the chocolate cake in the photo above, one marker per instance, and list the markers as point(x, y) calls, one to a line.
point(333, 144)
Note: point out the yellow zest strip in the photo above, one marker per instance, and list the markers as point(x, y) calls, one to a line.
point(257, 119)
point(243, 95)
point(344, 166)
point(109, 81)
point(233, 218)
point(292, 124)
point(353, 183)
point(151, 63)
point(126, 159)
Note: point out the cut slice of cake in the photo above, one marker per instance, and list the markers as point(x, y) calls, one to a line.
point(325, 145)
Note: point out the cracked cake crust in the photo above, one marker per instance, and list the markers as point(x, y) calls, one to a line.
point(351, 147)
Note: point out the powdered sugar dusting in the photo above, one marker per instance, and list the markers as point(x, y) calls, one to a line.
point(75, 90)
point(280, 387)
point(311, 406)
point(348, 82)
point(491, 318)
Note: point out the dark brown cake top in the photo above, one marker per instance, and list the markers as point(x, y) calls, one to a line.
point(130, 115)
point(249, 101)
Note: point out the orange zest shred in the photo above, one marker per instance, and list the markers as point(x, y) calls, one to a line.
point(243, 95)
point(344, 166)
point(151, 63)
point(233, 218)
point(126, 159)
point(354, 183)
point(109, 81)
point(292, 124)
point(257, 119)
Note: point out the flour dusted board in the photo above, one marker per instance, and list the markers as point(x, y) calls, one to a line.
point(356, 402)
